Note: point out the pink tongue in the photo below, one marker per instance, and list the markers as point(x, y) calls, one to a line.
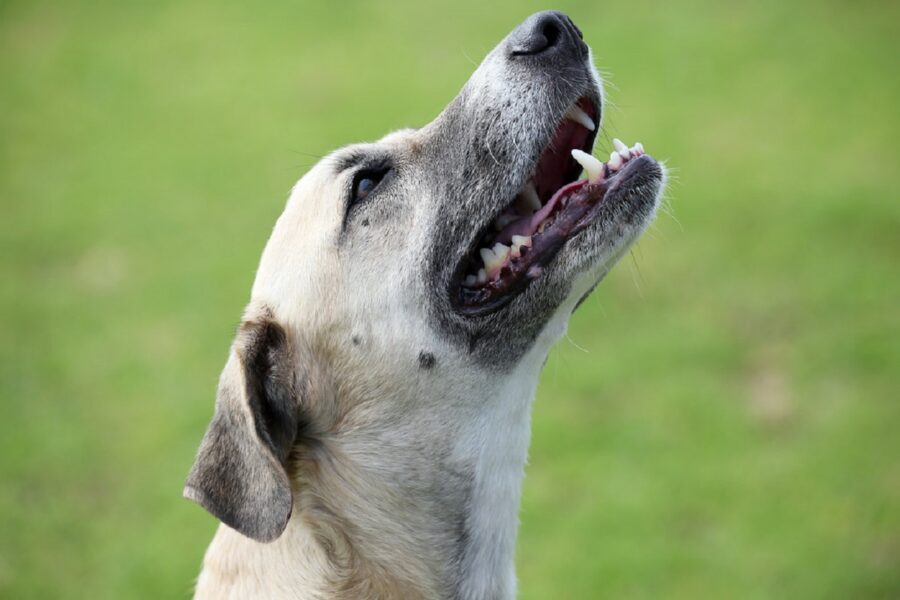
point(528, 225)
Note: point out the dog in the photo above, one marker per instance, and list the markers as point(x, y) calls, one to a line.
point(373, 418)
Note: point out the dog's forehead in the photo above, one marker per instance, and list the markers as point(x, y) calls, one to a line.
point(401, 138)
point(399, 145)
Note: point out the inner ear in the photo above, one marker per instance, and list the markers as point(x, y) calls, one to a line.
point(267, 359)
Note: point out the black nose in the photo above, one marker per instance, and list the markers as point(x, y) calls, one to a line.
point(546, 32)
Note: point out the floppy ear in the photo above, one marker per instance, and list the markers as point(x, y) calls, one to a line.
point(239, 475)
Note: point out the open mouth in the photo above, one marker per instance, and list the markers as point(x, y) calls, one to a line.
point(552, 207)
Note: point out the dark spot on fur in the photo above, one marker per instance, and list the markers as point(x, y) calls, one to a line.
point(355, 339)
point(426, 360)
point(365, 223)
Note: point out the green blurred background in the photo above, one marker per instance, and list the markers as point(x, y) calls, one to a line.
point(723, 419)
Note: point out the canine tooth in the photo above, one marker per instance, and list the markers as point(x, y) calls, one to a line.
point(579, 116)
point(482, 276)
point(528, 199)
point(615, 161)
point(591, 166)
point(639, 148)
point(501, 251)
point(470, 281)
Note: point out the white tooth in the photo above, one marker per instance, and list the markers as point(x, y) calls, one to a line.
point(591, 166)
point(521, 240)
point(494, 259)
point(626, 156)
point(470, 281)
point(482, 276)
point(503, 220)
point(528, 200)
point(619, 146)
point(579, 116)
point(501, 251)
point(615, 161)
point(640, 148)
point(517, 242)
point(487, 255)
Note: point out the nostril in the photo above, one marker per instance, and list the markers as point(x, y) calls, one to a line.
point(542, 32)
point(551, 33)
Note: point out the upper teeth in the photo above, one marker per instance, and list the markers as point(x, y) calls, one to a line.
point(592, 166)
point(579, 116)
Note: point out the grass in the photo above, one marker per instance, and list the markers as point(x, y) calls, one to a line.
point(722, 421)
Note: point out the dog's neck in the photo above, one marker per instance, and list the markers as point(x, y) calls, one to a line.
point(500, 439)
point(422, 502)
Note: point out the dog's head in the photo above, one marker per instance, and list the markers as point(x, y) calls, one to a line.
point(454, 250)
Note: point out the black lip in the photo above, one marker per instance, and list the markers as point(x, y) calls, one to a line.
point(462, 262)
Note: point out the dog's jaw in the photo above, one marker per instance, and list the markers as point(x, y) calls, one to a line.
point(496, 136)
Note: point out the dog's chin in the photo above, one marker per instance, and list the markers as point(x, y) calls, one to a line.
point(558, 219)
